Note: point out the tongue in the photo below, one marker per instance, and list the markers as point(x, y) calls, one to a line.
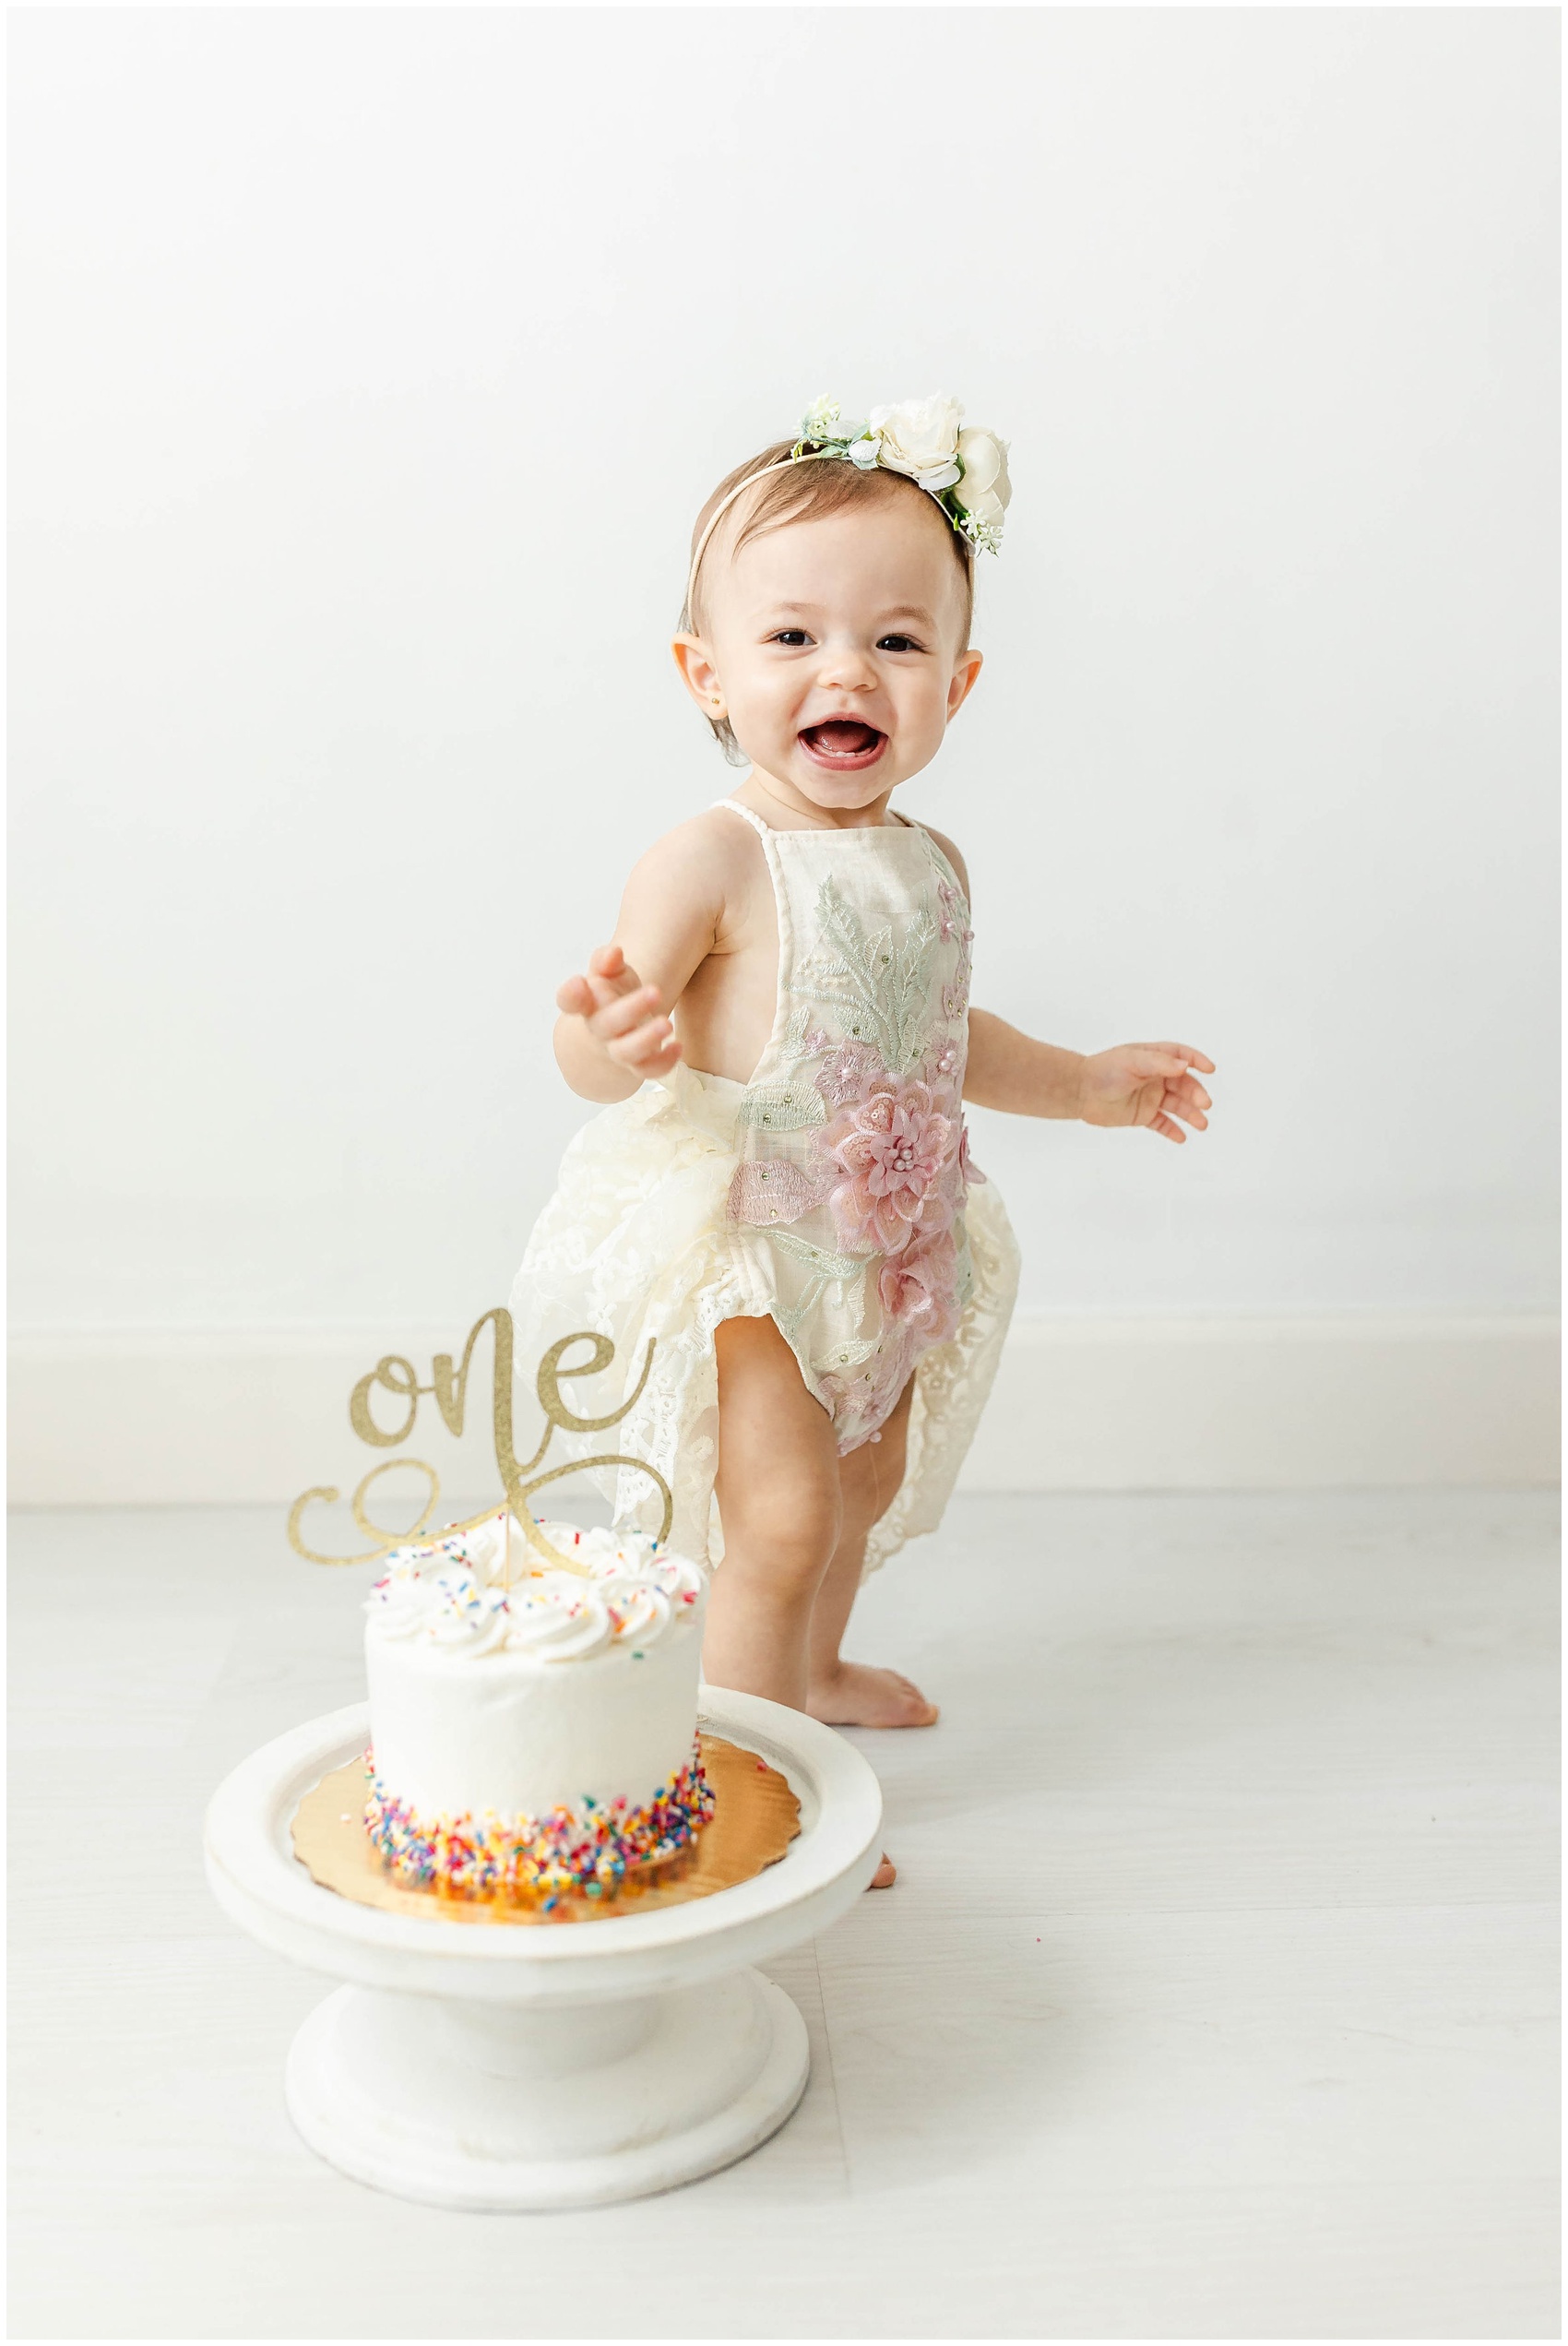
point(844, 736)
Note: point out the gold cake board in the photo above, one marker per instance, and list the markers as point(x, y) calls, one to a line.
point(756, 1817)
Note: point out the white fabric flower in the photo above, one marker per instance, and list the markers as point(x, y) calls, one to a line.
point(986, 488)
point(919, 438)
point(820, 420)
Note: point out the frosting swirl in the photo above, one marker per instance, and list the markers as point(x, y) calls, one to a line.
point(453, 1593)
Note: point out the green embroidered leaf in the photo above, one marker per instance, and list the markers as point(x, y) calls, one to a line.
point(880, 986)
point(793, 1043)
point(817, 1258)
point(783, 1107)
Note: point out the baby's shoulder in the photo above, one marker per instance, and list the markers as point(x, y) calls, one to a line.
point(712, 840)
point(708, 860)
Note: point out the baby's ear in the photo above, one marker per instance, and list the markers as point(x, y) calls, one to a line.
point(965, 669)
point(698, 673)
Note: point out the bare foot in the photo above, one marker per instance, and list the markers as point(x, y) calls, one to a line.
point(885, 1875)
point(857, 1695)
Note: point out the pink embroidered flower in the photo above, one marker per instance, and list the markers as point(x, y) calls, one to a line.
point(851, 1399)
point(942, 1066)
point(920, 1286)
point(890, 1149)
point(970, 1173)
point(848, 1072)
point(950, 920)
point(862, 1401)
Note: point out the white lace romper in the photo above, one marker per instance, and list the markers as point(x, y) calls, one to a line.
point(833, 1191)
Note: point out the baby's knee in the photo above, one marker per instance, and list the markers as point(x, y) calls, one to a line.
point(781, 1535)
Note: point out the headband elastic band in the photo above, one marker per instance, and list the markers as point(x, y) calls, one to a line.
point(783, 464)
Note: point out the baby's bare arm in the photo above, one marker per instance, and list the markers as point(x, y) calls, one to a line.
point(615, 1032)
point(1146, 1084)
point(1010, 1070)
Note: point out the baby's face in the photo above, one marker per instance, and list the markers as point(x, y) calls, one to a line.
point(838, 646)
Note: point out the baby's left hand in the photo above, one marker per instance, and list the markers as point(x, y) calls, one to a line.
point(1145, 1083)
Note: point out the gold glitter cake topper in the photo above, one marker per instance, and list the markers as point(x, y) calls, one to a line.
point(395, 1375)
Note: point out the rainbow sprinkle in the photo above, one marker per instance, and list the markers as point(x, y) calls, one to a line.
point(591, 1854)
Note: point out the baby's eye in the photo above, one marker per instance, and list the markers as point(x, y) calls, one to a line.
point(790, 637)
point(896, 643)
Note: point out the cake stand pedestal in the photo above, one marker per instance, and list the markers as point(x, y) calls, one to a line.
point(516, 2065)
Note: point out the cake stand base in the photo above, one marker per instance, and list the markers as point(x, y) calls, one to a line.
point(478, 2107)
point(523, 2067)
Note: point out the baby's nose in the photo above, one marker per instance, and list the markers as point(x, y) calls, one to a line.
point(848, 671)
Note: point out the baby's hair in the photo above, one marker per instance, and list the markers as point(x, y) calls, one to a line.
point(804, 493)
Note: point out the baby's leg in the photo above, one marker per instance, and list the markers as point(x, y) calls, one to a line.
point(780, 1507)
point(851, 1694)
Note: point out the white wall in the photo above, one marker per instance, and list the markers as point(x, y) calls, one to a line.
point(369, 367)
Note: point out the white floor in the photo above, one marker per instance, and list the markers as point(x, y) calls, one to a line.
point(1215, 1998)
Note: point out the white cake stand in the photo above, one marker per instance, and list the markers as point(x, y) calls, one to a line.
point(519, 2066)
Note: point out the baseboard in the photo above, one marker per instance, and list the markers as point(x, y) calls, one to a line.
point(219, 1417)
point(1271, 1404)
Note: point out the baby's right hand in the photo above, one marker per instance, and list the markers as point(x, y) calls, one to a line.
point(621, 1014)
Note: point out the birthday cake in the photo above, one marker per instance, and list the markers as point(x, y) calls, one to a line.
point(533, 1725)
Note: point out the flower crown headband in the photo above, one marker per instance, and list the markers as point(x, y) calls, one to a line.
point(965, 469)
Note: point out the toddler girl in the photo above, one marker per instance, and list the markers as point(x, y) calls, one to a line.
point(779, 1191)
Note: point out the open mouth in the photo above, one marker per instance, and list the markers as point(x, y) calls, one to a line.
point(843, 744)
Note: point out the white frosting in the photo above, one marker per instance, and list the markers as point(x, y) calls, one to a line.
point(457, 1592)
point(471, 1704)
